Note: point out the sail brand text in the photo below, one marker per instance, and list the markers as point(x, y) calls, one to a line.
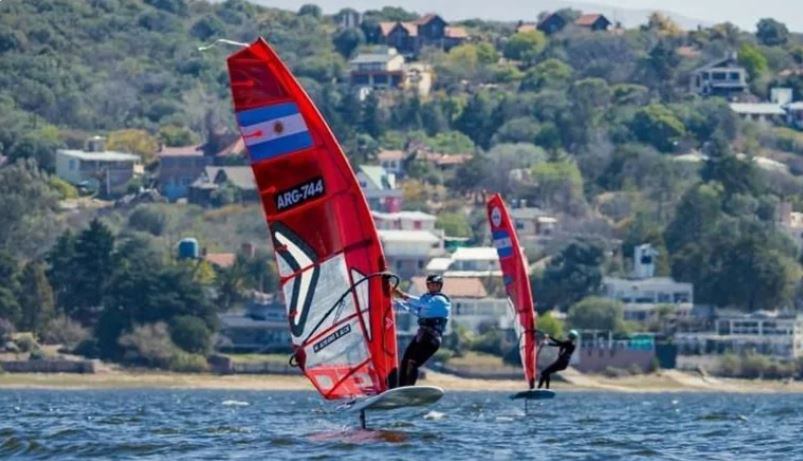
point(299, 194)
point(346, 329)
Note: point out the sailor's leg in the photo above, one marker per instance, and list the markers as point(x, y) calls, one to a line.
point(545, 375)
point(408, 364)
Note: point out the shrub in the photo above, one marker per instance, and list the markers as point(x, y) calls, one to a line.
point(87, 348)
point(65, 331)
point(149, 345)
point(37, 354)
point(187, 363)
point(190, 334)
point(148, 219)
point(613, 372)
point(443, 355)
point(63, 188)
point(6, 330)
point(26, 342)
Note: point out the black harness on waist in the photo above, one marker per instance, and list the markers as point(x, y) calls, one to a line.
point(435, 323)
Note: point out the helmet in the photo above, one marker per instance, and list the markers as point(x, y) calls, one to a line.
point(435, 278)
point(573, 334)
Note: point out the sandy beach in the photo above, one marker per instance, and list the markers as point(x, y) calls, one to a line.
point(663, 381)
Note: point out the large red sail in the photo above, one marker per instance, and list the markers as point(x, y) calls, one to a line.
point(327, 248)
point(517, 282)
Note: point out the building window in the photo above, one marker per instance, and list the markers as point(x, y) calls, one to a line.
point(417, 225)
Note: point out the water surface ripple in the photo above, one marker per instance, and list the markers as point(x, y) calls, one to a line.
point(196, 424)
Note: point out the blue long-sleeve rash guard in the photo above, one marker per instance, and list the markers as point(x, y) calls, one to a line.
point(428, 306)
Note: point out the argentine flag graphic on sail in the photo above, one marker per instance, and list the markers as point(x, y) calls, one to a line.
point(504, 247)
point(272, 131)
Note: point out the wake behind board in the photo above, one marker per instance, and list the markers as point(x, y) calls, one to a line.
point(400, 397)
point(534, 394)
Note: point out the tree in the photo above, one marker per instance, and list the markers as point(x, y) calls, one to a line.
point(9, 288)
point(148, 218)
point(570, 276)
point(207, 27)
point(525, 46)
point(662, 64)
point(559, 185)
point(191, 334)
point(374, 117)
point(231, 283)
point(697, 214)
point(552, 73)
point(771, 32)
point(475, 120)
point(310, 9)
point(27, 208)
point(753, 60)
point(658, 126)
point(36, 298)
point(550, 325)
point(176, 136)
point(664, 25)
point(143, 292)
point(595, 313)
point(347, 40)
point(137, 142)
point(454, 224)
point(92, 267)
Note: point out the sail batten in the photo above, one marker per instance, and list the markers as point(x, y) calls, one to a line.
point(515, 276)
point(326, 246)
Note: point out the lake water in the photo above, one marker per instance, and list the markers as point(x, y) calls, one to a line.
point(194, 424)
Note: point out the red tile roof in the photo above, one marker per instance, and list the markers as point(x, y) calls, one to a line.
point(526, 28)
point(587, 20)
point(235, 148)
point(455, 287)
point(385, 27)
point(222, 260)
point(181, 151)
point(455, 32)
point(390, 155)
point(425, 19)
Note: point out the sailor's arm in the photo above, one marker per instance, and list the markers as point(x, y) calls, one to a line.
point(407, 301)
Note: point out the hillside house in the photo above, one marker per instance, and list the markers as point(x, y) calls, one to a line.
point(179, 167)
point(213, 178)
point(96, 168)
point(723, 77)
point(428, 30)
point(408, 251)
point(379, 187)
point(593, 22)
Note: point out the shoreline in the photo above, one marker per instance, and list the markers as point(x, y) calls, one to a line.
point(661, 382)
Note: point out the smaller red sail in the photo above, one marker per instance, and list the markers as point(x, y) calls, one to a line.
point(517, 282)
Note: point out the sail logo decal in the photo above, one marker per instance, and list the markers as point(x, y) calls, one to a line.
point(301, 258)
point(496, 216)
point(503, 244)
point(275, 130)
point(343, 331)
point(299, 194)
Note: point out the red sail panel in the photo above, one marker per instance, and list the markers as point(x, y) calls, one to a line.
point(517, 282)
point(327, 248)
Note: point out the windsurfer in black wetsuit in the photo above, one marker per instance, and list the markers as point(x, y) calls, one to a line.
point(564, 355)
point(433, 310)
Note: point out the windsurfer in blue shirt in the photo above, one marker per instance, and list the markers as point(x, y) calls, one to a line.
point(433, 310)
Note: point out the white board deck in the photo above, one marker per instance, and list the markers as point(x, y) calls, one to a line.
point(400, 397)
point(534, 394)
